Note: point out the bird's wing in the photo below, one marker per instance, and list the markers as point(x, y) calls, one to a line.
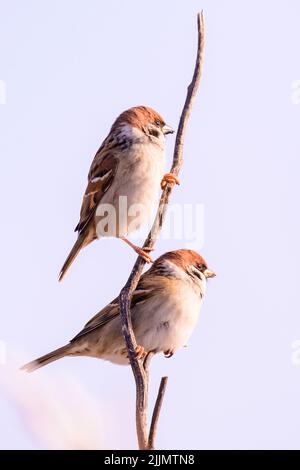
point(105, 315)
point(146, 288)
point(101, 175)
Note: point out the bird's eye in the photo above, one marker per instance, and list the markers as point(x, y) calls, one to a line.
point(201, 267)
point(157, 122)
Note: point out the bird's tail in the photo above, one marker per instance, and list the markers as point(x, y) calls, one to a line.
point(80, 243)
point(50, 357)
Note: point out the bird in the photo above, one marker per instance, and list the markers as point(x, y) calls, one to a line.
point(164, 310)
point(123, 181)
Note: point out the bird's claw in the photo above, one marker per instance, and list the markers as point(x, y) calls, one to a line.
point(140, 352)
point(168, 353)
point(147, 248)
point(142, 252)
point(169, 178)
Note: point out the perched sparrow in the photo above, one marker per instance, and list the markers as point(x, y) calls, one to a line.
point(164, 309)
point(123, 180)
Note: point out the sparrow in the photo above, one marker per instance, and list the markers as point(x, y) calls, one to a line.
point(164, 310)
point(124, 180)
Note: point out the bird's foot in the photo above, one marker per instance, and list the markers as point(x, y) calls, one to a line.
point(140, 352)
point(169, 178)
point(168, 353)
point(142, 252)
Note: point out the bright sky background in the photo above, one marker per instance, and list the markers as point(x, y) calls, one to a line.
point(70, 68)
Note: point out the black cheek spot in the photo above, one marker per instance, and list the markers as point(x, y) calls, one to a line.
point(154, 132)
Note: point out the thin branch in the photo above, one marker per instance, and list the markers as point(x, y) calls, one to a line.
point(140, 375)
point(147, 361)
point(156, 412)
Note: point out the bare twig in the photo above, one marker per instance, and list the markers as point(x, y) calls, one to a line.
point(156, 412)
point(140, 374)
point(147, 361)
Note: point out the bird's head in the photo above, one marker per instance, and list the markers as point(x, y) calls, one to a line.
point(183, 264)
point(146, 120)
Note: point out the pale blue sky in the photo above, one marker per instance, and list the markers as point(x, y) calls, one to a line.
point(70, 68)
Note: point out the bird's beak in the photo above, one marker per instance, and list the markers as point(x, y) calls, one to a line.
point(208, 273)
point(167, 129)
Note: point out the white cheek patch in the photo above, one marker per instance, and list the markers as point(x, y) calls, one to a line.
point(174, 270)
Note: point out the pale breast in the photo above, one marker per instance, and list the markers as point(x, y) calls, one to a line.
point(170, 319)
point(134, 193)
